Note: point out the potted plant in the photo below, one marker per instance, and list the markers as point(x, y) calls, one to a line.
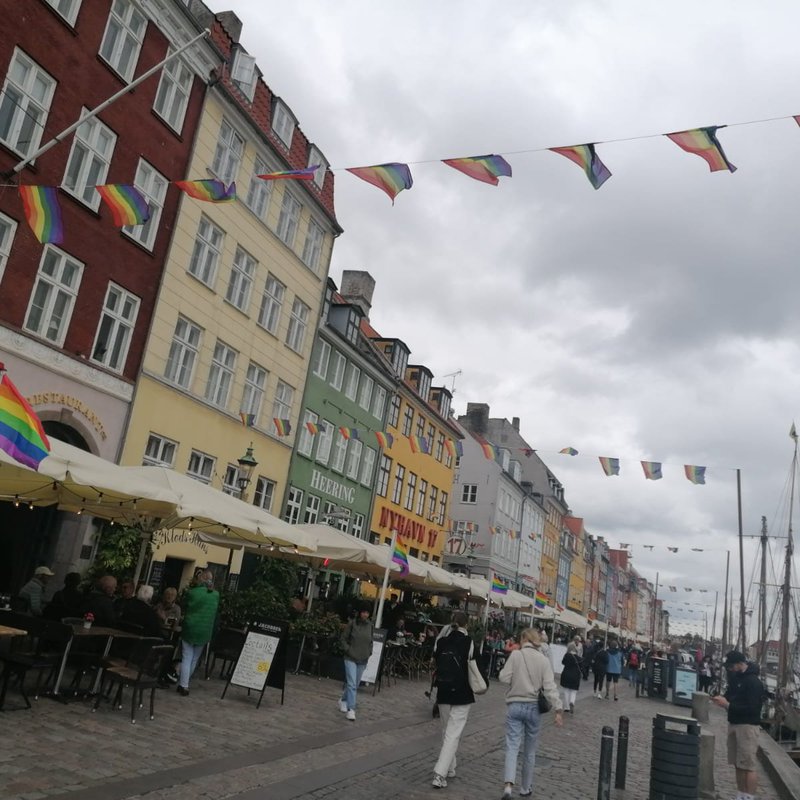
point(88, 619)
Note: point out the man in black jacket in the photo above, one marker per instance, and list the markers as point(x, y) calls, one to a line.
point(743, 700)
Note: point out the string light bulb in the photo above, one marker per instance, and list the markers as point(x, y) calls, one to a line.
point(112, 523)
point(191, 520)
point(272, 547)
point(30, 505)
point(16, 501)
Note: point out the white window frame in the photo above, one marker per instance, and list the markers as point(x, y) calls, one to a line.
point(368, 466)
point(411, 491)
point(206, 252)
point(269, 315)
point(358, 525)
point(298, 325)
point(230, 482)
point(422, 494)
point(316, 157)
point(58, 300)
point(384, 476)
point(399, 481)
point(322, 359)
point(25, 108)
point(240, 283)
point(305, 441)
point(184, 350)
point(228, 153)
point(153, 186)
point(469, 493)
point(311, 514)
point(174, 89)
point(264, 493)
point(339, 453)
point(294, 505)
point(283, 123)
point(243, 62)
point(68, 9)
point(365, 393)
point(378, 402)
point(259, 192)
point(282, 404)
point(121, 326)
point(8, 229)
point(204, 463)
point(255, 382)
point(160, 451)
point(220, 374)
point(288, 218)
point(353, 378)
point(325, 436)
point(339, 369)
point(123, 14)
point(89, 159)
point(312, 246)
point(354, 459)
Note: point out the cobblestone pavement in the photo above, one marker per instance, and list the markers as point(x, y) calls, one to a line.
point(204, 747)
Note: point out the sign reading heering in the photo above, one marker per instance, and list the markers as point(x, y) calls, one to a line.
point(322, 483)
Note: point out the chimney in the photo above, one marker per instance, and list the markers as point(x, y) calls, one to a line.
point(478, 417)
point(515, 424)
point(357, 288)
point(232, 24)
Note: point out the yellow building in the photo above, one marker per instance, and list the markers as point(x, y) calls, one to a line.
point(551, 542)
point(233, 328)
point(577, 575)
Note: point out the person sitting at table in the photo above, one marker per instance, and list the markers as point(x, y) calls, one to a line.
point(67, 602)
point(33, 591)
point(100, 602)
point(127, 592)
point(399, 633)
point(167, 609)
point(138, 611)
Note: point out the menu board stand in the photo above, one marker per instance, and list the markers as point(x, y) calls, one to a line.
point(262, 661)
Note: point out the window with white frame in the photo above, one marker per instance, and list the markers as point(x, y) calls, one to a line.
point(159, 451)
point(325, 440)
point(282, 405)
point(66, 8)
point(469, 493)
point(259, 190)
point(358, 525)
point(353, 376)
point(115, 329)
point(288, 218)
point(54, 294)
point(316, 159)
point(271, 302)
point(153, 186)
point(294, 504)
point(283, 123)
point(305, 442)
point(411, 492)
point(421, 495)
point(312, 247)
point(265, 491)
point(220, 374)
point(399, 478)
point(123, 37)
point(420, 425)
point(322, 359)
point(378, 402)
point(228, 153)
point(230, 483)
point(337, 373)
point(367, 466)
point(312, 510)
point(174, 89)
point(432, 503)
point(8, 228)
point(339, 453)
point(439, 447)
point(241, 280)
point(394, 411)
point(365, 395)
point(408, 420)
point(255, 380)
point(206, 251)
point(25, 103)
point(89, 159)
point(384, 474)
point(201, 466)
point(354, 459)
point(183, 352)
point(244, 73)
point(298, 323)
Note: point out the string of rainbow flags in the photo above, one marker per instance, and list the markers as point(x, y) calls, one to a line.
point(129, 207)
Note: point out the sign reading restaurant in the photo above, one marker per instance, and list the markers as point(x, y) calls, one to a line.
point(57, 398)
point(322, 483)
point(406, 526)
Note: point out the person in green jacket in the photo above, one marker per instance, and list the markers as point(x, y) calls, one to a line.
point(200, 613)
point(357, 645)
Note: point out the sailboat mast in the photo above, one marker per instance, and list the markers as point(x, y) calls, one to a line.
point(742, 609)
point(783, 645)
point(724, 647)
point(762, 598)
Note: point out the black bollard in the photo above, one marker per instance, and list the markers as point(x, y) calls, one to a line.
point(606, 755)
point(622, 753)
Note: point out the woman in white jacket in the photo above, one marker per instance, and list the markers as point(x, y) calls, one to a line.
point(527, 671)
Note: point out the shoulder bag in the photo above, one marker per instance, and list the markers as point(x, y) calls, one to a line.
point(541, 698)
point(476, 681)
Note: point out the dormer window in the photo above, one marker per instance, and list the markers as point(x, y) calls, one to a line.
point(244, 74)
point(399, 359)
point(283, 123)
point(353, 322)
point(315, 158)
point(424, 385)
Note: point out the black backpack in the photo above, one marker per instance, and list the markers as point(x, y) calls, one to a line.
point(450, 667)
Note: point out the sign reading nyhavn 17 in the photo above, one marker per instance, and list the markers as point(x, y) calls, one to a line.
point(407, 527)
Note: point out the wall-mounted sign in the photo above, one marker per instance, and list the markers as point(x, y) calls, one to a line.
point(161, 538)
point(322, 483)
point(59, 399)
point(407, 527)
point(456, 546)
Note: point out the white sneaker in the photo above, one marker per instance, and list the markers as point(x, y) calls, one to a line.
point(451, 773)
point(438, 782)
point(343, 706)
point(351, 715)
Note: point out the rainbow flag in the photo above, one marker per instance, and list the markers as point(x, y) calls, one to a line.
point(43, 213)
point(540, 600)
point(652, 470)
point(400, 557)
point(419, 444)
point(211, 190)
point(482, 168)
point(306, 174)
point(127, 205)
point(384, 438)
point(585, 157)
point(569, 451)
point(248, 420)
point(499, 586)
point(390, 178)
point(21, 433)
point(282, 426)
point(610, 465)
point(695, 474)
point(312, 428)
point(703, 142)
point(450, 447)
point(345, 432)
point(489, 451)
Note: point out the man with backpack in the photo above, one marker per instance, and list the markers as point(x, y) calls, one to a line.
point(633, 664)
point(454, 696)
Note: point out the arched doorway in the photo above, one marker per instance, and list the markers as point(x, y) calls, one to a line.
point(65, 433)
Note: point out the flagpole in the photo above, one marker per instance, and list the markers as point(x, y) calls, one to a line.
point(379, 616)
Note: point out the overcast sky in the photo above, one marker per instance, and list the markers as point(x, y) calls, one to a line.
point(652, 319)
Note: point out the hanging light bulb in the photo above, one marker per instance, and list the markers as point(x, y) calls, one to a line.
point(191, 519)
point(55, 486)
point(16, 501)
point(295, 549)
point(30, 505)
point(112, 523)
point(272, 547)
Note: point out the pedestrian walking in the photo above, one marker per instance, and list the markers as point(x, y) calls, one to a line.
point(633, 663)
point(743, 699)
point(528, 672)
point(202, 603)
point(356, 643)
point(706, 674)
point(578, 646)
point(599, 667)
point(613, 668)
point(452, 655)
point(570, 676)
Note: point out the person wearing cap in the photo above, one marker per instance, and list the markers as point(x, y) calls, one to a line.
point(356, 644)
point(743, 700)
point(33, 591)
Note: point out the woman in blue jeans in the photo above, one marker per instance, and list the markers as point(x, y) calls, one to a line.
point(357, 646)
point(526, 671)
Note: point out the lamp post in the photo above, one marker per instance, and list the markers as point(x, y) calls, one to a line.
point(247, 464)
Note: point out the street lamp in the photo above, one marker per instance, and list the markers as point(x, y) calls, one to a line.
point(247, 464)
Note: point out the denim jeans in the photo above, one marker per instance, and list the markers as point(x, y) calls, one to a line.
point(522, 730)
point(353, 670)
point(190, 655)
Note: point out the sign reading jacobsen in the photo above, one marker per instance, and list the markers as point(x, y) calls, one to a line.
point(262, 661)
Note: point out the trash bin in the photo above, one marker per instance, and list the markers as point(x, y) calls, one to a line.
point(675, 761)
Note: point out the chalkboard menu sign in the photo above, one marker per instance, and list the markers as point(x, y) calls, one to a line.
point(156, 574)
point(375, 664)
point(659, 677)
point(262, 661)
